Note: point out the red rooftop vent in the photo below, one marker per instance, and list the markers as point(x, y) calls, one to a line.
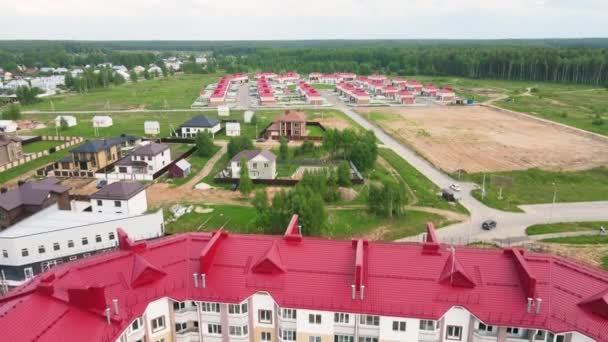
point(144, 273)
point(292, 233)
point(597, 304)
point(125, 243)
point(270, 262)
point(360, 268)
point(528, 281)
point(207, 255)
point(431, 242)
point(91, 297)
point(454, 274)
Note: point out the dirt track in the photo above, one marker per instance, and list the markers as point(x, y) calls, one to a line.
point(478, 139)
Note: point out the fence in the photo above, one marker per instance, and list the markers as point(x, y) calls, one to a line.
point(69, 142)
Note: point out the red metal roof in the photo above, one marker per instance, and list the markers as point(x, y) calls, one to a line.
point(66, 302)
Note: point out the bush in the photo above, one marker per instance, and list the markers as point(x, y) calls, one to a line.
point(306, 148)
point(598, 121)
point(12, 112)
point(245, 183)
point(283, 149)
point(344, 174)
point(238, 144)
point(204, 144)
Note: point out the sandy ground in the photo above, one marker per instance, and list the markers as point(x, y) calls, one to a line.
point(334, 122)
point(81, 186)
point(479, 139)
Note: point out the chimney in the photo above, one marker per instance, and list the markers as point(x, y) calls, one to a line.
point(529, 306)
point(354, 295)
point(195, 276)
point(538, 303)
point(107, 312)
point(115, 304)
point(362, 292)
point(20, 182)
point(203, 280)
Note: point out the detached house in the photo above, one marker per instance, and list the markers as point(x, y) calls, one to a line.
point(291, 125)
point(128, 198)
point(199, 123)
point(146, 159)
point(10, 149)
point(262, 164)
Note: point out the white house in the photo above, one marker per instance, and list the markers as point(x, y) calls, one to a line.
point(199, 123)
point(70, 120)
point(154, 69)
point(223, 110)
point(152, 127)
point(102, 121)
point(145, 159)
point(262, 164)
point(124, 74)
point(139, 69)
point(233, 129)
point(8, 126)
point(126, 198)
point(201, 60)
point(248, 115)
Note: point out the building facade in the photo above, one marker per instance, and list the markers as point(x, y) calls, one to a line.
point(123, 197)
point(290, 125)
point(10, 149)
point(262, 164)
point(199, 123)
point(146, 159)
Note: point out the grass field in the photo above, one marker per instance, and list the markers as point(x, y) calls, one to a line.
point(197, 162)
point(342, 224)
point(580, 240)
point(25, 169)
point(39, 146)
point(605, 262)
point(176, 92)
point(540, 229)
point(535, 186)
point(314, 131)
point(321, 86)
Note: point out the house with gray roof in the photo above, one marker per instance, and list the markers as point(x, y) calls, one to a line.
point(199, 123)
point(262, 164)
point(29, 198)
point(146, 159)
point(122, 197)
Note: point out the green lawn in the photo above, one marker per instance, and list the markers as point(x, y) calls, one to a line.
point(286, 170)
point(540, 229)
point(321, 86)
point(23, 169)
point(426, 192)
point(197, 162)
point(221, 164)
point(342, 224)
point(175, 92)
point(580, 240)
point(315, 131)
point(605, 262)
point(41, 145)
point(535, 186)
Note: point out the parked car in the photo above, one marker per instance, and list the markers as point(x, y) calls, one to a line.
point(488, 225)
point(234, 187)
point(448, 195)
point(101, 184)
point(455, 187)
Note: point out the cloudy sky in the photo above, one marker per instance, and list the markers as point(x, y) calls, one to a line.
point(298, 19)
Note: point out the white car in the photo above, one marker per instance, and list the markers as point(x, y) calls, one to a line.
point(455, 187)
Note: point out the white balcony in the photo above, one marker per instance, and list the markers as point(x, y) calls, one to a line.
point(479, 336)
point(187, 335)
point(234, 338)
point(429, 336)
point(136, 335)
point(184, 315)
point(287, 324)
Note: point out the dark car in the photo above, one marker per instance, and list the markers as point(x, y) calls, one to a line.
point(488, 225)
point(102, 183)
point(234, 187)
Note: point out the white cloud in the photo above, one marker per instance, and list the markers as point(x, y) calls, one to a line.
point(296, 19)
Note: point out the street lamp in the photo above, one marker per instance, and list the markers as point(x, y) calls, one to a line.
point(553, 202)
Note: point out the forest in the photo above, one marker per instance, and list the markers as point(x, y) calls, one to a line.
point(579, 61)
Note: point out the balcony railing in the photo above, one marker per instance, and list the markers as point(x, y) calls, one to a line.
point(429, 336)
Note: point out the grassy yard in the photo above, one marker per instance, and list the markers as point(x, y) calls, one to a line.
point(540, 229)
point(197, 162)
point(605, 262)
point(176, 92)
point(221, 164)
point(425, 191)
point(321, 86)
point(342, 224)
point(535, 186)
point(39, 146)
point(580, 240)
point(24, 169)
point(286, 170)
point(315, 131)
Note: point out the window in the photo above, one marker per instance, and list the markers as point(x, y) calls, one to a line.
point(266, 336)
point(85, 241)
point(158, 323)
point(111, 236)
point(24, 252)
point(344, 338)
point(41, 249)
point(73, 257)
point(287, 335)
point(117, 204)
point(28, 272)
point(341, 317)
point(180, 326)
point(560, 338)
point(398, 326)
point(427, 325)
point(97, 238)
point(210, 307)
point(177, 306)
point(265, 316)
point(56, 246)
point(136, 325)
point(237, 309)
point(512, 331)
point(314, 338)
point(100, 202)
point(369, 320)
point(266, 165)
point(70, 243)
point(540, 335)
point(314, 319)
point(368, 339)
point(254, 165)
point(288, 313)
point(453, 332)
point(485, 328)
point(86, 255)
point(238, 330)
point(5, 253)
point(215, 329)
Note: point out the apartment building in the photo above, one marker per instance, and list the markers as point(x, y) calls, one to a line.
point(223, 287)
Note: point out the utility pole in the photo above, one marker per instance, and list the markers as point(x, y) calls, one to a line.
point(483, 188)
point(553, 202)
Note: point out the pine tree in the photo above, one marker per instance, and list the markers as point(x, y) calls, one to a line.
point(283, 149)
point(204, 144)
point(245, 183)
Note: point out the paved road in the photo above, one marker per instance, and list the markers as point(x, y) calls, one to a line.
point(510, 225)
point(242, 97)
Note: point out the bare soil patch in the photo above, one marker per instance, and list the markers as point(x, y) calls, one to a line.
point(482, 139)
point(334, 122)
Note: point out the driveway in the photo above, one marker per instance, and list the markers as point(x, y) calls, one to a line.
point(510, 225)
